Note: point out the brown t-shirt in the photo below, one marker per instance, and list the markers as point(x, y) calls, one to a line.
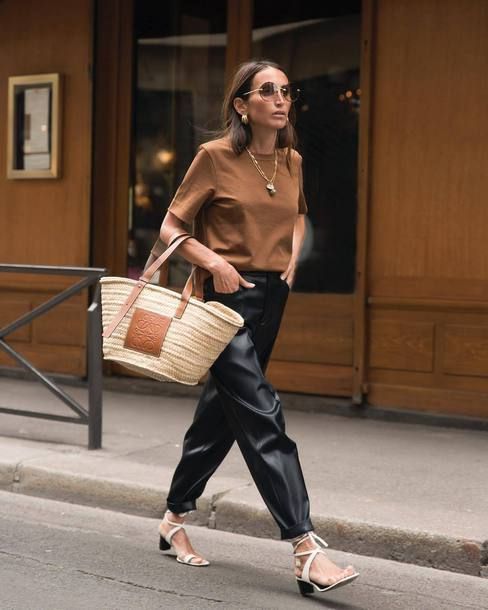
point(226, 198)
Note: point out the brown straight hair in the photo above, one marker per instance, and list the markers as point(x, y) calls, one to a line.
point(233, 128)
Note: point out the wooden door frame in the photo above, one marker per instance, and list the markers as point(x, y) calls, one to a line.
point(368, 10)
point(239, 34)
point(112, 132)
point(113, 110)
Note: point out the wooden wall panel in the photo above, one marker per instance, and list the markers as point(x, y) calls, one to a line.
point(11, 308)
point(427, 256)
point(397, 344)
point(429, 182)
point(48, 221)
point(56, 341)
point(314, 355)
point(318, 330)
point(465, 350)
point(64, 359)
point(64, 325)
point(309, 378)
point(431, 400)
point(426, 349)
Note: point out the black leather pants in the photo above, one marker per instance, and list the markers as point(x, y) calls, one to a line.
point(238, 403)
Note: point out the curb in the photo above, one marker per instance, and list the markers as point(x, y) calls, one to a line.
point(361, 538)
point(91, 490)
point(216, 512)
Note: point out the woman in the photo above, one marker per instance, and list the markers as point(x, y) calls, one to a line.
point(243, 191)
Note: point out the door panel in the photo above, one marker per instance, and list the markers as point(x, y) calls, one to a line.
point(319, 48)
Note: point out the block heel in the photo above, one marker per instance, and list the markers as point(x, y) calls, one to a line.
point(163, 545)
point(304, 587)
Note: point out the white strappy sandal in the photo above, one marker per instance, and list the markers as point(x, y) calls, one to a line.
point(306, 585)
point(165, 543)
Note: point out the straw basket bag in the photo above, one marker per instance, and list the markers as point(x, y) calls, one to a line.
point(161, 333)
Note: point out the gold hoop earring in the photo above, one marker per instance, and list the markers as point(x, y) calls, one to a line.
point(244, 119)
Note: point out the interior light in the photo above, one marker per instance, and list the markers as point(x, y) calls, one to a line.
point(165, 157)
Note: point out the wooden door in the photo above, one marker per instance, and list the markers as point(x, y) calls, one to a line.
point(314, 351)
point(319, 46)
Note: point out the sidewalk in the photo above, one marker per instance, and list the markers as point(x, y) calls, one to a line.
point(408, 492)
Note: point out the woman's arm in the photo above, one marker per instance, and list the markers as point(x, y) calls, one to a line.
point(298, 237)
point(226, 277)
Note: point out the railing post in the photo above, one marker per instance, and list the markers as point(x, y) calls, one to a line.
point(94, 346)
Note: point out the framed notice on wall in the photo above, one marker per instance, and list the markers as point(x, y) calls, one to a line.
point(34, 126)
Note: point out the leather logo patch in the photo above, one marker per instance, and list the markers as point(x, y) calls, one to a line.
point(147, 331)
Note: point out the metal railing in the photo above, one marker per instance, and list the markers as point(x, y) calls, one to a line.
point(93, 416)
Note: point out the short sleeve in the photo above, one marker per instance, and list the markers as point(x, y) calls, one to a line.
point(196, 188)
point(302, 203)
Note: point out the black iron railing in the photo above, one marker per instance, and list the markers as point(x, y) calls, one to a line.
point(93, 416)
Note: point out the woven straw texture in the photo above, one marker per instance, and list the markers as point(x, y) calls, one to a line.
point(192, 343)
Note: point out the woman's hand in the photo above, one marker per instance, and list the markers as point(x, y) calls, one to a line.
point(226, 278)
point(298, 236)
point(289, 274)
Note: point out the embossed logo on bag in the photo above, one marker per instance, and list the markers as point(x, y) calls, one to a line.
point(147, 331)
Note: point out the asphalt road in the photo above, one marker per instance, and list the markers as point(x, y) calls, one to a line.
point(60, 556)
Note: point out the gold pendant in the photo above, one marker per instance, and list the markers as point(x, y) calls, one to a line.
point(271, 188)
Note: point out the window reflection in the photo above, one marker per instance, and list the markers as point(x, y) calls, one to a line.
point(180, 84)
point(319, 47)
point(180, 63)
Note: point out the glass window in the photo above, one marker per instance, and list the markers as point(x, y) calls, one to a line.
point(180, 65)
point(318, 45)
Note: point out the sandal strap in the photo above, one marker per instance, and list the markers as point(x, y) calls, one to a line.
point(169, 512)
point(188, 558)
point(172, 532)
point(311, 536)
point(315, 550)
point(306, 568)
point(173, 522)
point(296, 541)
point(321, 542)
point(312, 553)
point(176, 528)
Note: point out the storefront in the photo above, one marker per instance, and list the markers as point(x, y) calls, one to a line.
point(391, 299)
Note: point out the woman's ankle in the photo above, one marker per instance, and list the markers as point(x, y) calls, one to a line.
point(176, 517)
point(177, 514)
point(298, 540)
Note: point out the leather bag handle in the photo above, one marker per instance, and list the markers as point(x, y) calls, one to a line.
point(191, 286)
point(146, 277)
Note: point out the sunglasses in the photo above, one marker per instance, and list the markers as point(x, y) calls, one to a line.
point(269, 90)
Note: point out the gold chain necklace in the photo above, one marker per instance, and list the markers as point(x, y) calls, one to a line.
point(269, 181)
